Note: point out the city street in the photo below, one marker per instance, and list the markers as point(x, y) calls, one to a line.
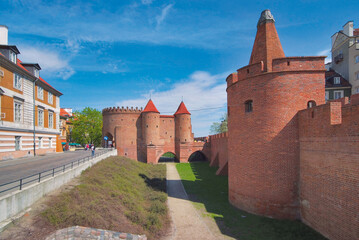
point(15, 169)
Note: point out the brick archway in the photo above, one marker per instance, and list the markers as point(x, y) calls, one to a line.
point(163, 159)
point(197, 156)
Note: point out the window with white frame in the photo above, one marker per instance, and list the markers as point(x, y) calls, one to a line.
point(17, 81)
point(338, 94)
point(336, 80)
point(18, 111)
point(326, 95)
point(357, 59)
point(40, 117)
point(40, 93)
point(50, 98)
point(357, 76)
point(36, 72)
point(12, 57)
point(357, 90)
point(40, 142)
point(50, 142)
point(51, 120)
point(17, 143)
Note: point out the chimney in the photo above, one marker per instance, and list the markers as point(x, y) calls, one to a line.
point(348, 28)
point(266, 45)
point(3, 35)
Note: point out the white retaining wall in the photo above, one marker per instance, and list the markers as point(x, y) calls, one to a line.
point(16, 202)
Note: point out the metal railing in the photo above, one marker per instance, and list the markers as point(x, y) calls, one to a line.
point(37, 177)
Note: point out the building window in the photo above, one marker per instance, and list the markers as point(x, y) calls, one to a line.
point(336, 80)
point(357, 59)
point(50, 142)
point(40, 142)
point(357, 76)
point(50, 98)
point(326, 95)
point(40, 93)
point(17, 143)
point(311, 104)
point(357, 90)
point(248, 106)
point(51, 120)
point(40, 117)
point(18, 112)
point(12, 57)
point(36, 73)
point(338, 94)
point(17, 82)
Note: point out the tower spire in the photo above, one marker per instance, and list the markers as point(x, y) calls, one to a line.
point(266, 45)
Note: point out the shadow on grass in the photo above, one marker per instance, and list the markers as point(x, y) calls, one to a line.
point(158, 184)
point(204, 187)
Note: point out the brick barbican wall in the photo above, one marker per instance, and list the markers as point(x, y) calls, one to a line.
point(329, 168)
point(263, 150)
point(218, 153)
point(146, 136)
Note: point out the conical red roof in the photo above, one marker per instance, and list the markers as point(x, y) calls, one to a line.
point(150, 107)
point(182, 109)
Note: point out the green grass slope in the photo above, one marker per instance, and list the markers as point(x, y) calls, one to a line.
point(117, 194)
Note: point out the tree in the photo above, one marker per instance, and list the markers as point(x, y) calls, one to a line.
point(87, 126)
point(220, 127)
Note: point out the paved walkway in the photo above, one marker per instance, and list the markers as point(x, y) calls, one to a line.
point(187, 223)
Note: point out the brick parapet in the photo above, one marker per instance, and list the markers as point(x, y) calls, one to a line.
point(293, 65)
point(110, 110)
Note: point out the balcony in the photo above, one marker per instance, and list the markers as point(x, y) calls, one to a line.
point(338, 58)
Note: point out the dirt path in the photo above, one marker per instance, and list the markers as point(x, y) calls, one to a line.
point(187, 223)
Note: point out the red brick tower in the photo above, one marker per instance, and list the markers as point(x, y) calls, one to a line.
point(150, 124)
point(183, 132)
point(120, 127)
point(263, 100)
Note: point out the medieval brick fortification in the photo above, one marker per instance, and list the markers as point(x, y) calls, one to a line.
point(145, 135)
point(290, 155)
point(287, 153)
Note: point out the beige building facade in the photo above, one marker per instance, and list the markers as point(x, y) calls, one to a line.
point(345, 54)
point(29, 106)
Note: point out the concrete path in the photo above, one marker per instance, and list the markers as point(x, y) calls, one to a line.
point(187, 223)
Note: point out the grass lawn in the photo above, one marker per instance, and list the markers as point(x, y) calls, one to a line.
point(209, 193)
point(117, 194)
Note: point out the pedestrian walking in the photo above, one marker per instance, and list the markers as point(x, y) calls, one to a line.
point(93, 149)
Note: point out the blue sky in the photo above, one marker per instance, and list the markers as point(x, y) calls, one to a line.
point(109, 53)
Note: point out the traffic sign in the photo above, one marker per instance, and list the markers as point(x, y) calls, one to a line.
point(105, 138)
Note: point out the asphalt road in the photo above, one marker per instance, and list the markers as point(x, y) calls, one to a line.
point(11, 170)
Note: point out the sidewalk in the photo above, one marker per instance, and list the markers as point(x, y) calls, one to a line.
point(187, 223)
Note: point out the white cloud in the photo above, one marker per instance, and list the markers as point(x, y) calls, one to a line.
point(326, 52)
point(146, 2)
point(160, 18)
point(50, 61)
point(204, 95)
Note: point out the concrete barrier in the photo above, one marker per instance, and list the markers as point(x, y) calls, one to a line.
point(13, 204)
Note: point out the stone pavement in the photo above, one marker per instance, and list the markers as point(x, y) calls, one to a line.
point(187, 223)
point(84, 233)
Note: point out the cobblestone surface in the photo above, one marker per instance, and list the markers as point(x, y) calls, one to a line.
point(85, 233)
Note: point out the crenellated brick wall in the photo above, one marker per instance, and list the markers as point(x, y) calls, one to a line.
point(218, 145)
point(329, 168)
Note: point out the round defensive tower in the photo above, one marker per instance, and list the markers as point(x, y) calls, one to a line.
point(120, 127)
point(263, 100)
point(183, 127)
point(183, 132)
point(150, 124)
